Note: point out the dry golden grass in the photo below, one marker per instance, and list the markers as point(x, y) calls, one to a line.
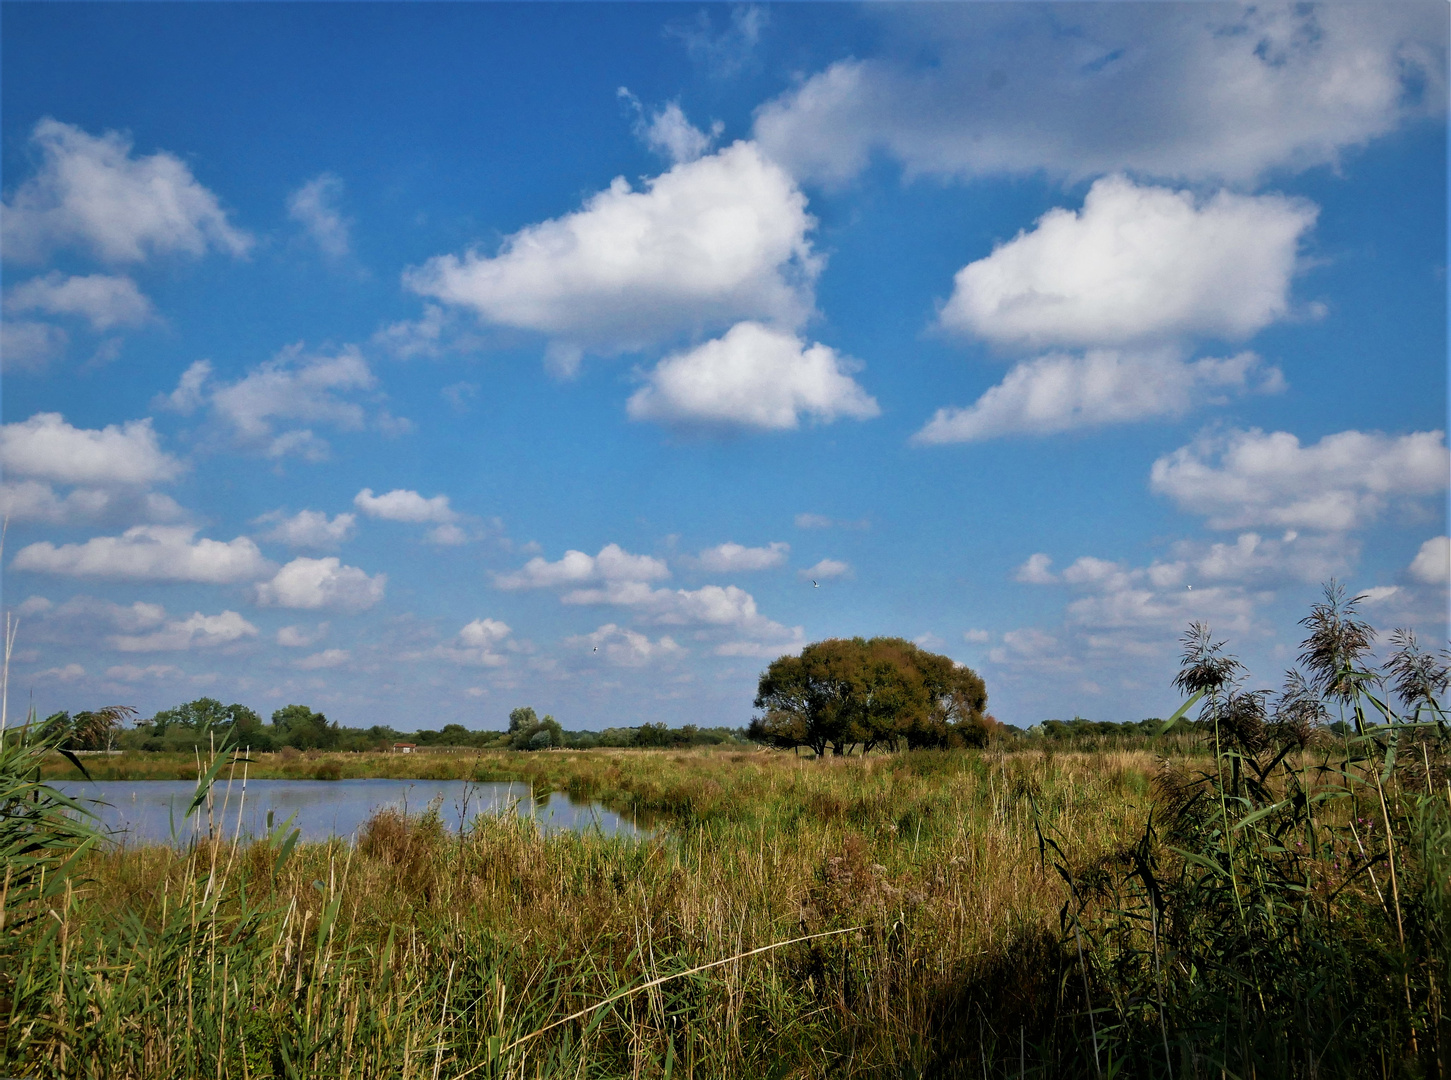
point(421, 952)
point(933, 856)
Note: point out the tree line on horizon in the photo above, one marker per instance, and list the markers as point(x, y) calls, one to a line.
point(299, 727)
point(836, 696)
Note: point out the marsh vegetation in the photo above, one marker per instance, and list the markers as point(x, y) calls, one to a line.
point(1269, 901)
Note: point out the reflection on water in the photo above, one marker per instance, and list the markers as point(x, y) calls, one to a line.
point(153, 811)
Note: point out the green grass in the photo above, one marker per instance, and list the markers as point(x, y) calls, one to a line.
point(1273, 900)
point(993, 927)
point(168, 963)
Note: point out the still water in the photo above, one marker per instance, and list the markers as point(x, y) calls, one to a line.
point(154, 811)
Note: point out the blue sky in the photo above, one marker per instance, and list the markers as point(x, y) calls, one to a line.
point(416, 362)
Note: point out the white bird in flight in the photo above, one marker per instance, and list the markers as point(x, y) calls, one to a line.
point(814, 585)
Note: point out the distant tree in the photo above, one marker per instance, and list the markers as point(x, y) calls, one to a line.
point(808, 699)
point(528, 732)
point(653, 735)
point(647, 735)
point(377, 737)
point(878, 692)
point(299, 726)
point(205, 714)
point(949, 701)
point(201, 717)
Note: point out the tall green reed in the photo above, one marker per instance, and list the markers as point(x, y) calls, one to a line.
point(1283, 913)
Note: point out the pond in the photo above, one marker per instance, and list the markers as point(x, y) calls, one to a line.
point(154, 811)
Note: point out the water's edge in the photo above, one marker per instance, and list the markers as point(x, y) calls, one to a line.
point(154, 811)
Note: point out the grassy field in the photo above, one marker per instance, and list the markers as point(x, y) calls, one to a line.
point(552, 770)
point(966, 913)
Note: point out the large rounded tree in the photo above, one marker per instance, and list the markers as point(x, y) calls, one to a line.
point(869, 692)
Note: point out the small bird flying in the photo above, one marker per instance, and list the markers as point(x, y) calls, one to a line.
point(814, 585)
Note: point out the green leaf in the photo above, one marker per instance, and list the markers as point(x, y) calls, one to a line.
point(287, 846)
point(1390, 757)
point(329, 916)
point(204, 784)
point(1200, 860)
point(1252, 818)
point(596, 1020)
point(1179, 713)
point(1385, 710)
point(76, 762)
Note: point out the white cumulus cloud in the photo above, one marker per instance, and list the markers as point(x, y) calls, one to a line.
point(326, 584)
point(1037, 570)
point(782, 643)
point(1118, 610)
point(69, 673)
point(45, 447)
point(669, 133)
point(624, 647)
point(295, 387)
point(91, 193)
point(1125, 599)
point(1035, 650)
point(675, 138)
point(1059, 393)
point(757, 377)
point(264, 408)
point(308, 529)
point(613, 563)
point(28, 346)
point(711, 605)
point(826, 568)
point(315, 207)
point(1192, 92)
point(706, 244)
point(328, 658)
point(1137, 264)
point(725, 52)
point(401, 504)
point(300, 637)
point(134, 673)
point(478, 643)
point(108, 469)
point(149, 553)
point(1247, 478)
point(484, 633)
point(731, 557)
point(104, 300)
point(33, 500)
point(1255, 559)
point(409, 338)
point(131, 618)
point(195, 632)
point(1432, 564)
